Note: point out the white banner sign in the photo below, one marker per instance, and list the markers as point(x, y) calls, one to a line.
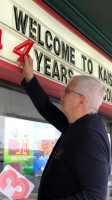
point(55, 57)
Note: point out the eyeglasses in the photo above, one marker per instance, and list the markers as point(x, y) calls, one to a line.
point(67, 91)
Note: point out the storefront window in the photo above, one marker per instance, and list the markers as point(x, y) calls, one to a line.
point(109, 129)
point(26, 146)
point(108, 126)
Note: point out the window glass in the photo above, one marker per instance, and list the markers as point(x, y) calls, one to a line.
point(26, 146)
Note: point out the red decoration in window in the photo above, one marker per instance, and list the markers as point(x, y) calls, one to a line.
point(22, 147)
point(27, 45)
point(44, 147)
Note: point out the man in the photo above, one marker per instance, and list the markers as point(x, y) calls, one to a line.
point(79, 165)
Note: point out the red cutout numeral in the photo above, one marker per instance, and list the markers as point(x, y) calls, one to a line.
point(27, 45)
point(14, 182)
point(1, 46)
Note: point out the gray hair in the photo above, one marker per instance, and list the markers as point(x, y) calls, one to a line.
point(91, 89)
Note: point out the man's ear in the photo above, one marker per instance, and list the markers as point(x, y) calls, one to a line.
point(83, 100)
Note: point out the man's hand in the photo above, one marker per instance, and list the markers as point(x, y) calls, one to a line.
point(27, 67)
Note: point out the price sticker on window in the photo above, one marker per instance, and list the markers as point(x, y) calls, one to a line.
point(14, 185)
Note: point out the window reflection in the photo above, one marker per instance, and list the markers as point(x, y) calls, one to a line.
point(26, 146)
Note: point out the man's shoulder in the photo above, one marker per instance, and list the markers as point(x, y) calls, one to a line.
point(89, 125)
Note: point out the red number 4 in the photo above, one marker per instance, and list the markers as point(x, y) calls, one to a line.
point(27, 45)
point(1, 46)
point(22, 49)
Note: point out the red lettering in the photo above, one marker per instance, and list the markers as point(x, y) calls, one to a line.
point(1, 46)
point(27, 45)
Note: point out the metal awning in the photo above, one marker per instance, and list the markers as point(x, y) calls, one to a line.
point(91, 18)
